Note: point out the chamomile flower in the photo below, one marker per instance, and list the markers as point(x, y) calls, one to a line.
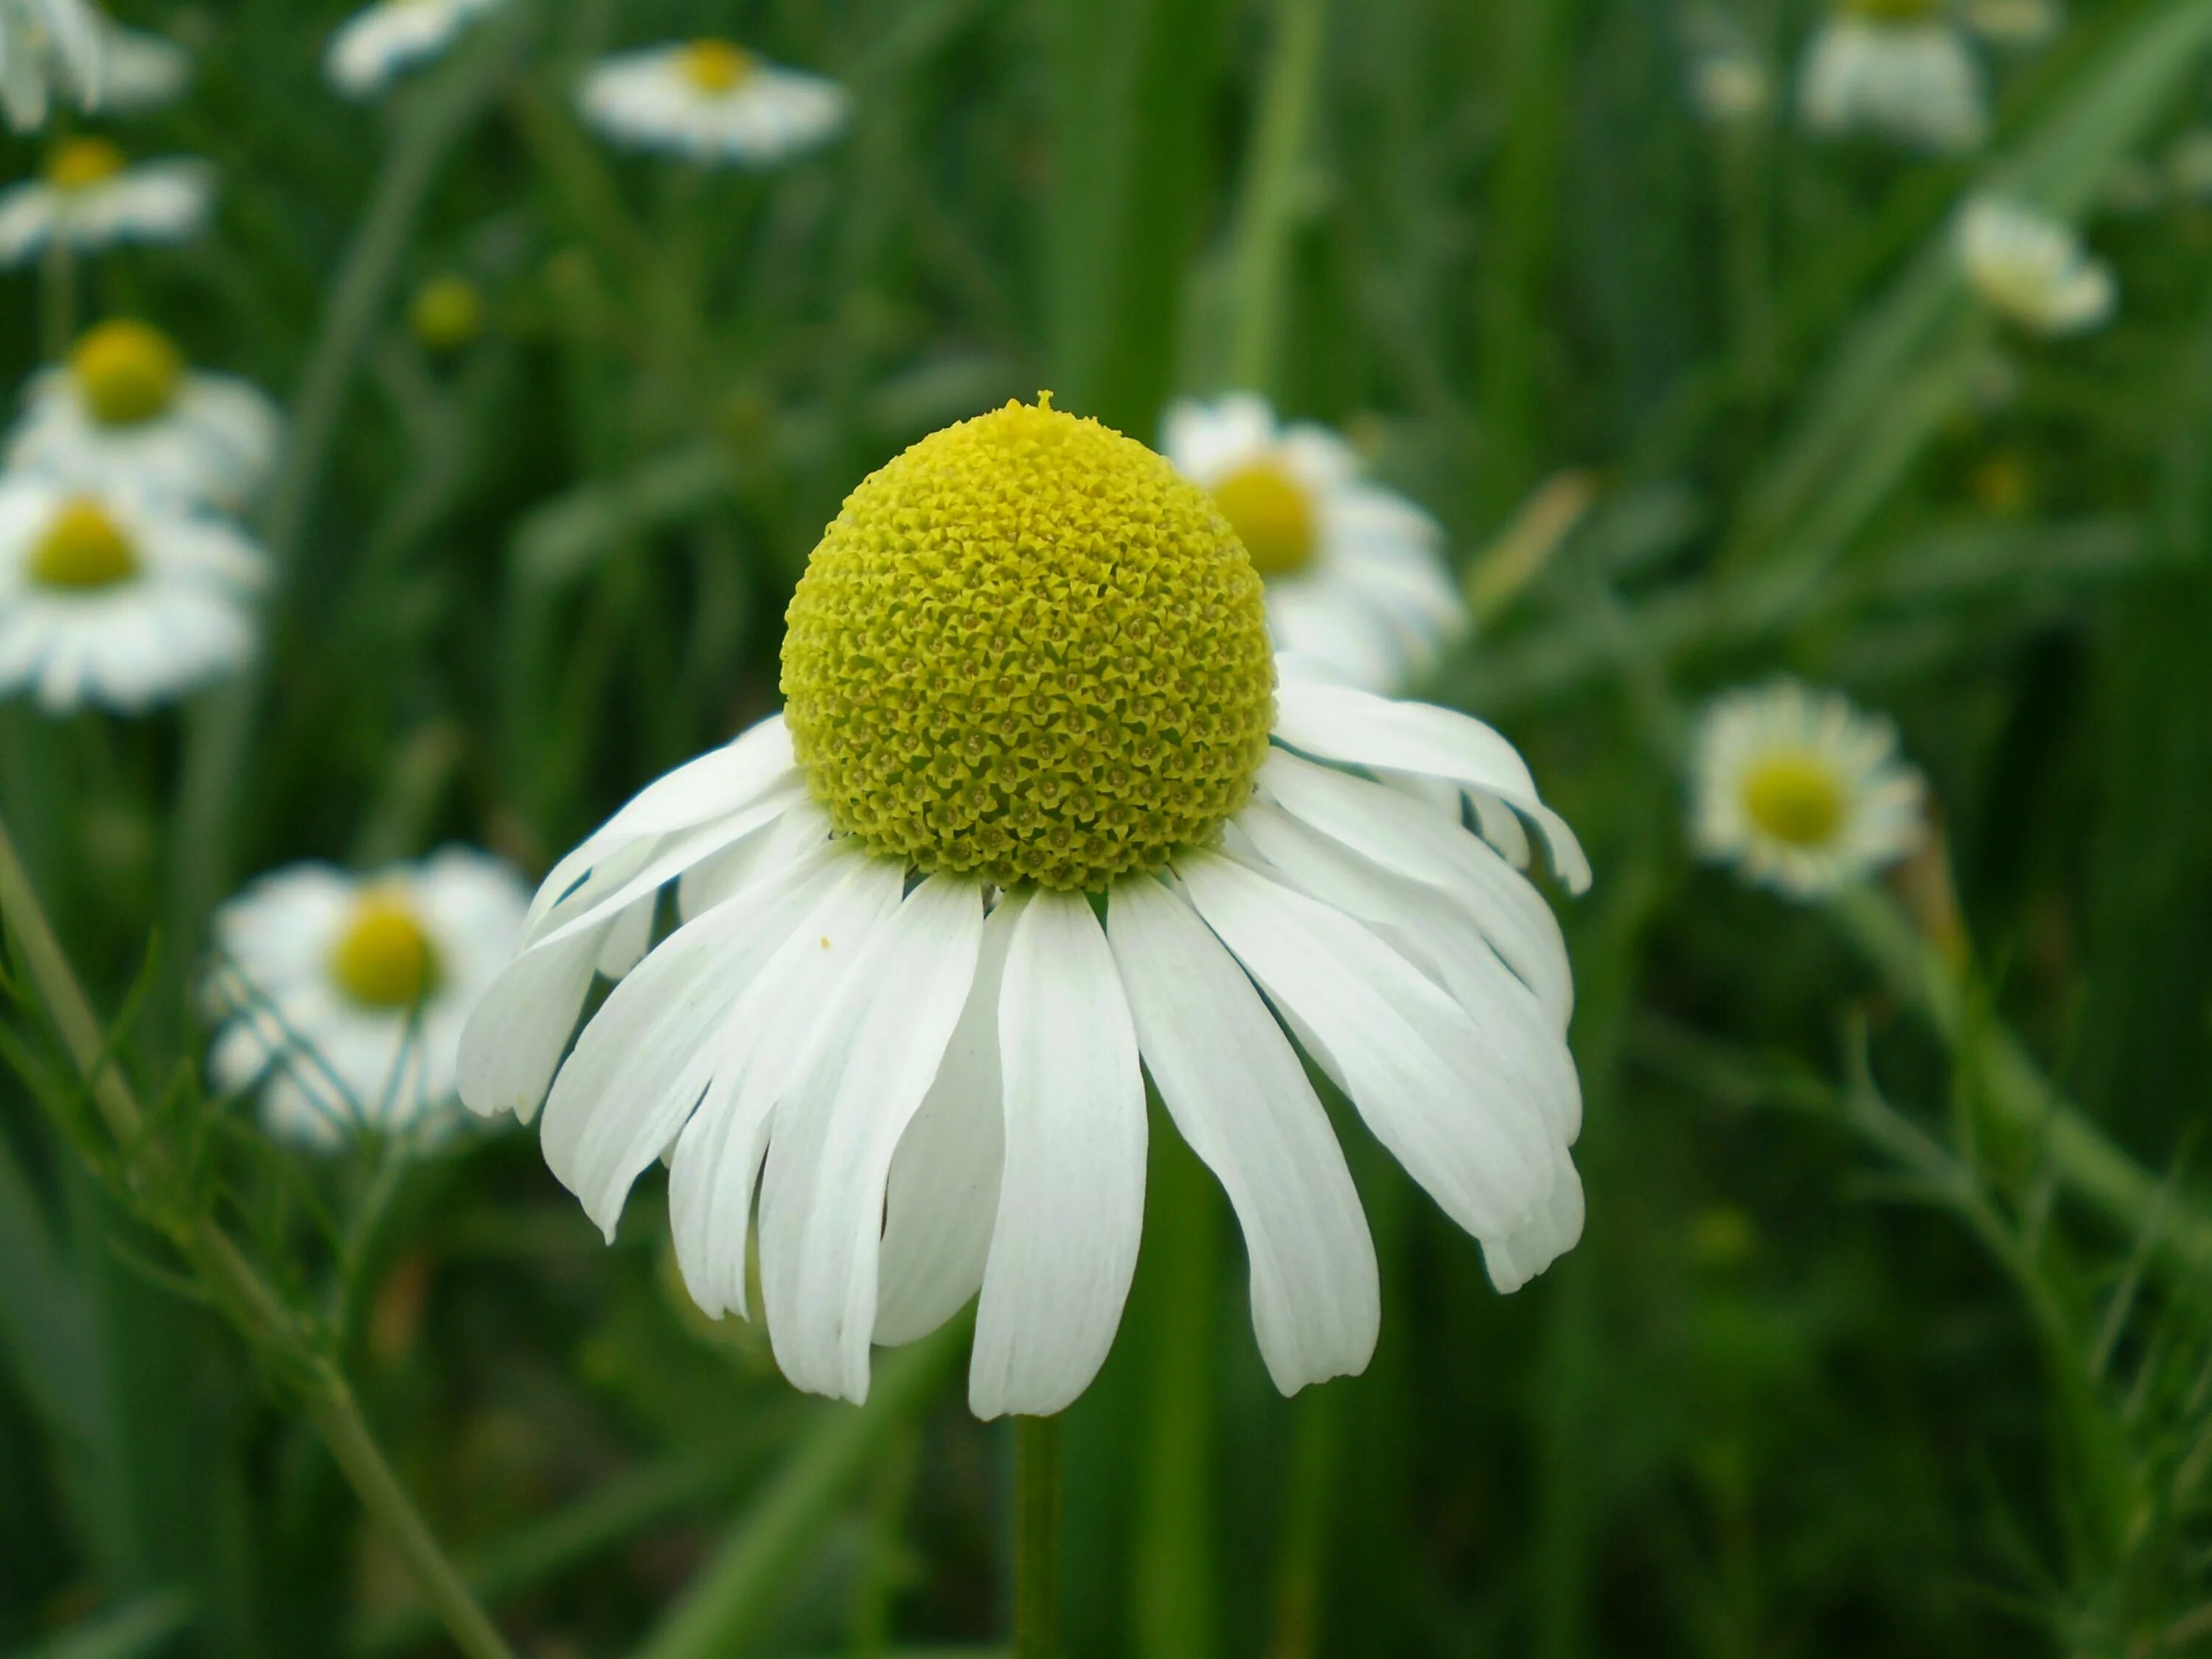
point(118, 599)
point(127, 413)
point(1355, 575)
point(369, 50)
point(1800, 791)
point(1039, 818)
point(713, 101)
point(93, 196)
point(139, 71)
point(45, 45)
point(343, 997)
point(2033, 269)
point(1900, 68)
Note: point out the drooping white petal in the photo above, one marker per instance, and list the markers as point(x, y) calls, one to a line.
point(1412, 1061)
point(513, 1040)
point(1237, 1093)
point(944, 1191)
point(1369, 820)
point(1071, 1199)
point(771, 1037)
point(646, 1058)
point(829, 1161)
point(1519, 1257)
point(1360, 728)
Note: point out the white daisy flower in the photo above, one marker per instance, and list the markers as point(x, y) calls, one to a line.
point(45, 45)
point(91, 196)
point(1800, 791)
point(139, 71)
point(343, 997)
point(1356, 574)
point(1897, 67)
point(712, 101)
point(1038, 820)
point(2033, 269)
point(369, 50)
point(118, 599)
point(126, 413)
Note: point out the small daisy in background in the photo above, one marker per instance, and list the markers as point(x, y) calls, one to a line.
point(116, 599)
point(369, 49)
point(447, 314)
point(1800, 791)
point(1028, 684)
point(126, 412)
point(1900, 68)
point(139, 71)
point(341, 998)
point(2033, 269)
point(91, 196)
point(713, 101)
point(45, 46)
point(1356, 574)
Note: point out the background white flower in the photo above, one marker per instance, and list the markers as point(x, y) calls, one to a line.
point(712, 101)
point(126, 413)
point(1800, 791)
point(1356, 574)
point(2033, 268)
point(370, 48)
point(343, 996)
point(91, 196)
point(118, 599)
point(139, 70)
point(44, 43)
point(1914, 80)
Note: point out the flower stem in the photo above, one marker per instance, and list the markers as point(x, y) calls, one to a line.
point(1036, 1537)
point(1267, 207)
point(260, 1314)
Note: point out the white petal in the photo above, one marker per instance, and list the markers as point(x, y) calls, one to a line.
point(1519, 1257)
point(944, 1191)
point(771, 1037)
point(1361, 729)
point(1237, 1093)
point(1071, 1199)
point(822, 1197)
point(514, 1038)
point(1414, 1065)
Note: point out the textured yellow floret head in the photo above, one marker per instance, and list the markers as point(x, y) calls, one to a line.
point(127, 372)
point(1029, 651)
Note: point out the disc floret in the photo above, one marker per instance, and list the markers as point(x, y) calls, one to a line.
point(1028, 650)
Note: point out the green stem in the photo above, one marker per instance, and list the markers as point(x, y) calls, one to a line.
point(2018, 1095)
point(259, 1313)
point(1036, 1537)
point(1301, 1578)
point(57, 299)
point(1270, 196)
point(724, 1606)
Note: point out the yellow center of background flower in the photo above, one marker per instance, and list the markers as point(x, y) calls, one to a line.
point(1795, 799)
point(79, 163)
point(447, 313)
point(384, 959)
point(1028, 649)
point(83, 548)
point(1272, 515)
point(716, 66)
point(126, 371)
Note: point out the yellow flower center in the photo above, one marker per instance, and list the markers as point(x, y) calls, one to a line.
point(1895, 11)
point(715, 66)
point(1795, 797)
point(447, 313)
point(79, 163)
point(83, 549)
point(384, 959)
point(1272, 513)
point(126, 371)
point(1028, 649)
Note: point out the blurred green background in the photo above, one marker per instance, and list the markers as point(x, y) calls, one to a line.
point(1860, 1353)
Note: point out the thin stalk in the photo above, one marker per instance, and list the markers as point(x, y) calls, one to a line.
point(1270, 195)
point(2023, 1101)
point(223, 1269)
point(1036, 1537)
point(1302, 1571)
point(57, 301)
